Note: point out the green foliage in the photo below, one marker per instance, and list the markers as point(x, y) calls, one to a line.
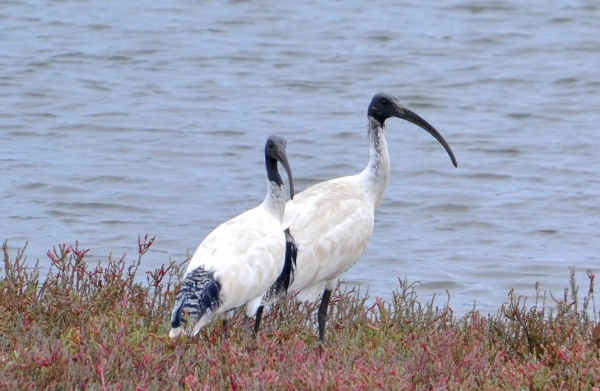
point(96, 327)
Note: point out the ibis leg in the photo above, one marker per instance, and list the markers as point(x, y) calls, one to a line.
point(258, 318)
point(246, 323)
point(225, 330)
point(323, 314)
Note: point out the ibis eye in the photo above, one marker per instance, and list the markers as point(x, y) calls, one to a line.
point(384, 101)
point(270, 144)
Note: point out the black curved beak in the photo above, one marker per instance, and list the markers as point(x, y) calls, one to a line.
point(407, 115)
point(282, 157)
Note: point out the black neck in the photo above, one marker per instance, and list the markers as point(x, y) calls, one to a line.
point(272, 173)
point(377, 116)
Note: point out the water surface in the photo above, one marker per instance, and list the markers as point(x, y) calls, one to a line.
point(122, 119)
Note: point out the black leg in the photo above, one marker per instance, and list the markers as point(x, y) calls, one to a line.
point(225, 331)
point(323, 314)
point(246, 324)
point(258, 318)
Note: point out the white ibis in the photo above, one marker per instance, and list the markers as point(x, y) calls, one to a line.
point(332, 222)
point(238, 261)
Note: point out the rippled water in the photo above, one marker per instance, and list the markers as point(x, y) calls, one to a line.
point(119, 119)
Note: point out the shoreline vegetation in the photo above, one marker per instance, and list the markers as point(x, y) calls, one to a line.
point(90, 325)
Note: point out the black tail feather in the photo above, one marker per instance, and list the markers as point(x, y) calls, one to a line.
point(286, 278)
point(289, 265)
point(199, 295)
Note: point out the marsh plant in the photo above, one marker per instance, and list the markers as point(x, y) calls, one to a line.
point(102, 325)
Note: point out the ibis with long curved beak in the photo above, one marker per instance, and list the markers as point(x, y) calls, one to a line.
point(332, 222)
point(237, 262)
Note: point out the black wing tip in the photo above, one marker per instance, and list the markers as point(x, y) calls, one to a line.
point(176, 316)
point(200, 293)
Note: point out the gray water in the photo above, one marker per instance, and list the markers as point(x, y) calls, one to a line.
point(119, 119)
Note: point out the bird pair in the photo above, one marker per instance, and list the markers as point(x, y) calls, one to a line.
point(302, 247)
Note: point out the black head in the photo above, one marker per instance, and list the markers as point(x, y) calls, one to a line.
point(275, 146)
point(384, 106)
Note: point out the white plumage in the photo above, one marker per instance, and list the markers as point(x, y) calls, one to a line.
point(238, 261)
point(332, 222)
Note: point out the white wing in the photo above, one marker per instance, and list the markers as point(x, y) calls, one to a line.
point(332, 223)
point(246, 254)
